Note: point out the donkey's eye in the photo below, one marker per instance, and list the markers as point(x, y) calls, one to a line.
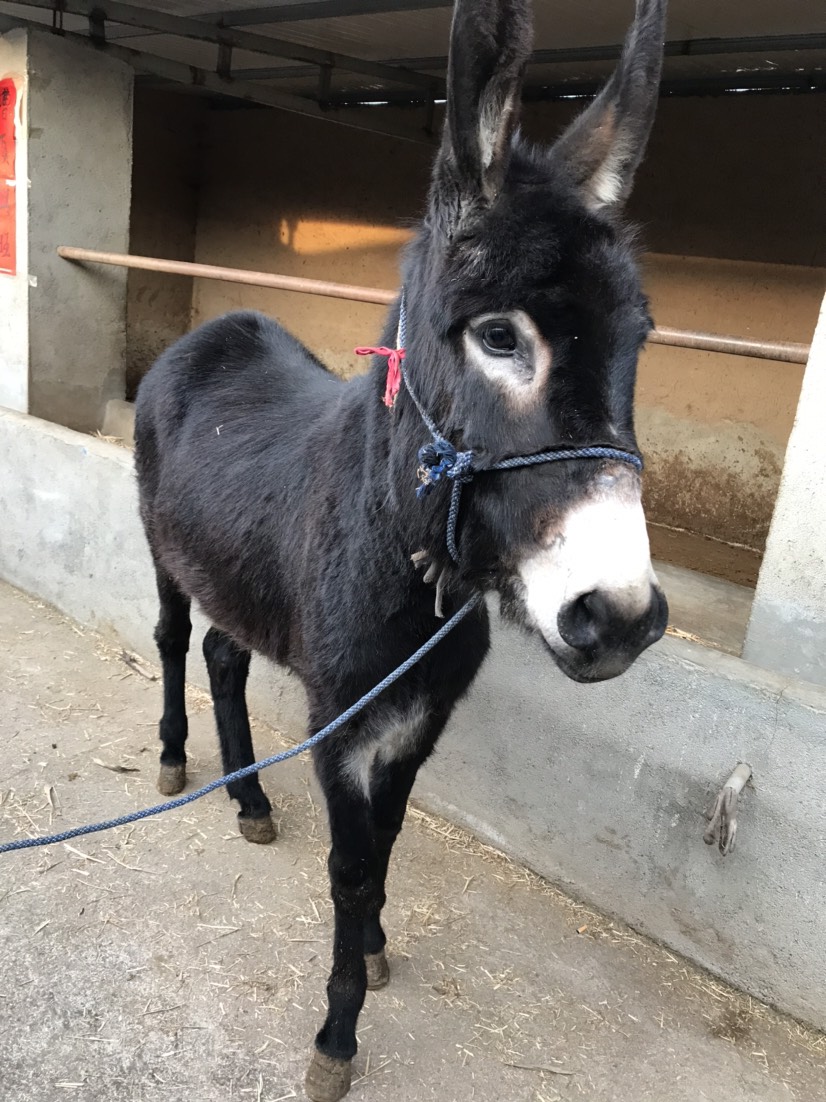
point(498, 337)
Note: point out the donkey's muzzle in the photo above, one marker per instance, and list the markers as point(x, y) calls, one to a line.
point(606, 631)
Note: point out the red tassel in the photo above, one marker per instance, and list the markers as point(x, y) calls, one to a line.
point(394, 370)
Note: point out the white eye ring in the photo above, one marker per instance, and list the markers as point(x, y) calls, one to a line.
point(509, 350)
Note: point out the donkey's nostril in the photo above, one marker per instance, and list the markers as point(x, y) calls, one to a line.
point(601, 621)
point(597, 606)
point(580, 620)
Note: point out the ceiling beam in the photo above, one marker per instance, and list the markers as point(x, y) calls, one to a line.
point(319, 9)
point(180, 27)
point(683, 47)
point(301, 13)
point(690, 47)
point(190, 75)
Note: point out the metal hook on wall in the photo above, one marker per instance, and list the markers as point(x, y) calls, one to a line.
point(722, 826)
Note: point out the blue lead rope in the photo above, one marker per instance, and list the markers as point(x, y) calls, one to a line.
point(221, 782)
point(437, 460)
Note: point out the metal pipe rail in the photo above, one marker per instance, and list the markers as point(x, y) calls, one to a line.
point(232, 275)
point(782, 351)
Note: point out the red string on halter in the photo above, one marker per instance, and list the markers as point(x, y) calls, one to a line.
point(394, 370)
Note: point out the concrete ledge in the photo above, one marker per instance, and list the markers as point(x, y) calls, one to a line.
point(600, 788)
point(119, 421)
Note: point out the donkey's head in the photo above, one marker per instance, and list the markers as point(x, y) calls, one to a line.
point(525, 320)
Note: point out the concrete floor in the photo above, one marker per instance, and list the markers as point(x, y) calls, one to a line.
point(171, 960)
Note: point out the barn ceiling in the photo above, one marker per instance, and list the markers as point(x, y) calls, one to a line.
point(309, 55)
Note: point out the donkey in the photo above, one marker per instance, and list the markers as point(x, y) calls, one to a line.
point(281, 499)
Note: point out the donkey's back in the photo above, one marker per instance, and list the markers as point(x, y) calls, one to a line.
point(242, 370)
point(224, 432)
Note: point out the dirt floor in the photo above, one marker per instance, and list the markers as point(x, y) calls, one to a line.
point(174, 961)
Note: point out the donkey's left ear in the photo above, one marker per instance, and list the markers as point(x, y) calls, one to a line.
point(490, 43)
point(602, 149)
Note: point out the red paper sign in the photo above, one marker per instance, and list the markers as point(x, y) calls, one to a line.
point(8, 180)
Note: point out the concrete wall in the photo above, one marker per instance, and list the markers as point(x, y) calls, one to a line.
point(600, 788)
point(729, 205)
point(787, 631)
point(80, 157)
point(14, 289)
point(737, 177)
point(166, 178)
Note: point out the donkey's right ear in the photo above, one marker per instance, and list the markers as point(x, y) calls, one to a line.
point(602, 149)
point(490, 43)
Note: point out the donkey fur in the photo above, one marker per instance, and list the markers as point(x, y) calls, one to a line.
point(282, 501)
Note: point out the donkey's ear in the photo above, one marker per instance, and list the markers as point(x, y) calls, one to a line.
point(489, 46)
point(602, 149)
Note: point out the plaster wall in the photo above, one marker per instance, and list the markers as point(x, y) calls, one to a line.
point(787, 631)
point(286, 194)
point(735, 229)
point(714, 428)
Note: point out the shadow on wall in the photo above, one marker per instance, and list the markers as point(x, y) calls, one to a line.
point(167, 150)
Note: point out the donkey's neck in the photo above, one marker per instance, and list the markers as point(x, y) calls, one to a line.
point(372, 459)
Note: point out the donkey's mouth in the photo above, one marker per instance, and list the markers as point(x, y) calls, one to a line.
point(585, 671)
point(586, 665)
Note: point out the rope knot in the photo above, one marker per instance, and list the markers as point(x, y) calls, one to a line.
point(439, 459)
point(394, 370)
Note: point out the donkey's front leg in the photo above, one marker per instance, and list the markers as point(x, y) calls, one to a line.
point(357, 893)
point(390, 786)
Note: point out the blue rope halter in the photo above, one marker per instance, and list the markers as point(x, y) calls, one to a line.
point(440, 459)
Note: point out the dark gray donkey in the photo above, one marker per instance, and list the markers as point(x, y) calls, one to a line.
point(283, 500)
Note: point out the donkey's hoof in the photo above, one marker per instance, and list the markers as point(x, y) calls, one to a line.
point(171, 779)
point(328, 1079)
point(378, 970)
point(260, 830)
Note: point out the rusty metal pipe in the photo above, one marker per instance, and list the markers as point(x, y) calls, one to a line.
point(783, 351)
point(232, 275)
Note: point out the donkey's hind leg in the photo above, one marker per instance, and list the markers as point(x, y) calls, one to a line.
point(172, 637)
point(228, 666)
